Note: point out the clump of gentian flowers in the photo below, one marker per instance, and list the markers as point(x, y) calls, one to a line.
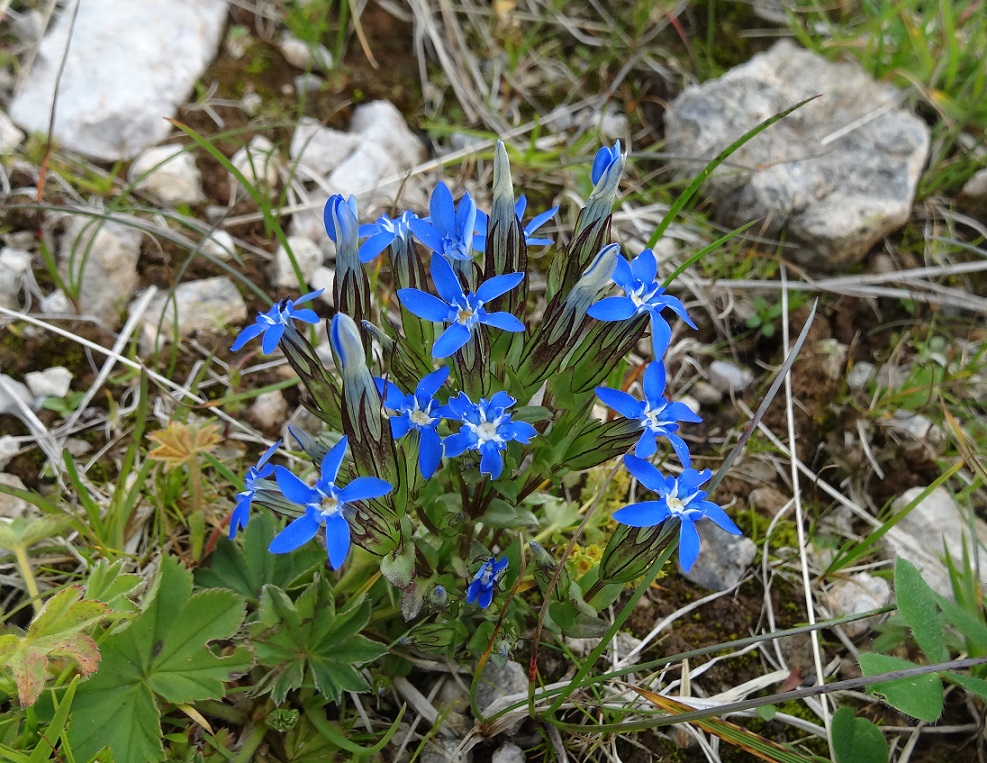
point(448, 409)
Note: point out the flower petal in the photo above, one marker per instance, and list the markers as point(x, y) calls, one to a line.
point(654, 381)
point(373, 246)
point(400, 426)
point(661, 335)
point(519, 431)
point(446, 281)
point(502, 321)
point(678, 411)
point(427, 234)
point(429, 451)
point(688, 544)
point(450, 340)
point(613, 309)
point(647, 446)
point(333, 460)
point(252, 331)
point(494, 287)
point(393, 397)
point(337, 540)
point(461, 406)
point(491, 462)
point(364, 488)
point(293, 488)
point(431, 383)
point(647, 474)
point(456, 444)
point(424, 305)
point(622, 275)
point(720, 518)
point(624, 403)
point(271, 338)
point(500, 400)
point(681, 449)
point(644, 514)
point(645, 267)
point(262, 461)
point(442, 210)
point(295, 535)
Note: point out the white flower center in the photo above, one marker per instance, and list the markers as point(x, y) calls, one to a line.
point(420, 418)
point(464, 315)
point(330, 506)
point(675, 505)
point(486, 431)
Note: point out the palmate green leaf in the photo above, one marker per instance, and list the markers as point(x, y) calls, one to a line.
point(108, 583)
point(54, 632)
point(917, 605)
point(247, 568)
point(919, 696)
point(164, 654)
point(310, 637)
point(857, 740)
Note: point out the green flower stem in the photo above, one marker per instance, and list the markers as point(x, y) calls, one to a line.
point(254, 741)
point(30, 582)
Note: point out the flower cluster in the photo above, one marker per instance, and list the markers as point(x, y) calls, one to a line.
point(432, 407)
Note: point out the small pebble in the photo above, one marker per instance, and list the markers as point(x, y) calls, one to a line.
point(859, 375)
point(52, 382)
point(728, 377)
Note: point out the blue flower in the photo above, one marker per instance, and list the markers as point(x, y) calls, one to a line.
point(463, 311)
point(325, 505)
point(481, 588)
point(603, 160)
point(341, 218)
point(487, 429)
point(680, 498)
point(420, 412)
point(483, 220)
point(642, 295)
point(658, 416)
point(381, 233)
point(273, 323)
point(449, 229)
point(263, 470)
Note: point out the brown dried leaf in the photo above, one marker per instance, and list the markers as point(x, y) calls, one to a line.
point(178, 443)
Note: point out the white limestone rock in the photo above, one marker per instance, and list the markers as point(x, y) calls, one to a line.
point(219, 244)
point(11, 391)
point(933, 524)
point(106, 255)
point(57, 303)
point(303, 55)
point(169, 174)
point(15, 266)
point(305, 253)
point(52, 382)
point(12, 507)
point(723, 558)
point(10, 137)
point(836, 176)
point(323, 278)
point(728, 377)
point(270, 409)
point(320, 149)
point(380, 123)
point(209, 304)
point(859, 593)
point(259, 163)
point(129, 67)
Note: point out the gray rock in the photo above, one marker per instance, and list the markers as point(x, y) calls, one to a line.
point(120, 79)
point(259, 163)
point(362, 173)
point(728, 377)
point(323, 278)
point(768, 499)
point(933, 524)
point(304, 420)
point(380, 123)
point(205, 305)
point(301, 251)
point(836, 175)
point(319, 148)
point(12, 507)
point(508, 753)
point(57, 303)
point(8, 447)
point(270, 409)
point(917, 427)
point(10, 391)
point(10, 137)
point(498, 682)
point(833, 355)
point(706, 394)
point(859, 593)
point(440, 750)
point(723, 558)
point(861, 373)
point(169, 174)
point(308, 83)
point(303, 55)
point(52, 382)
point(106, 254)
point(972, 198)
point(219, 244)
point(15, 266)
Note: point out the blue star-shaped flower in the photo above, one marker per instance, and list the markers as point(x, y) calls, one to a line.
point(345, 213)
point(273, 323)
point(263, 470)
point(679, 498)
point(325, 506)
point(642, 294)
point(449, 229)
point(380, 234)
point(604, 158)
point(487, 428)
point(483, 220)
point(658, 416)
point(481, 588)
point(462, 310)
point(419, 412)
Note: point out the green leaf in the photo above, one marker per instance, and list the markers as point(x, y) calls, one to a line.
point(857, 740)
point(967, 623)
point(919, 696)
point(917, 605)
point(164, 654)
point(108, 584)
point(971, 683)
point(247, 568)
point(311, 637)
point(54, 632)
